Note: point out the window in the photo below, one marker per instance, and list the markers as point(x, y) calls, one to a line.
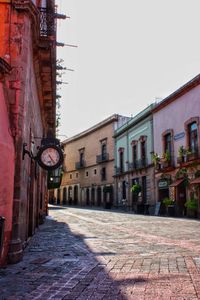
point(70, 176)
point(103, 174)
point(103, 150)
point(121, 161)
point(143, 154)
point(86, 174)
point(193, 137)
point(81, 157)
point(168, 143)
point(76, 175)
point(168, 147)
point(134, 144)
point(95, 171)
point(143, 150)
point(134, 153)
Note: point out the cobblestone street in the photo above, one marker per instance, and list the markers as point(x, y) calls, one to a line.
point(102, 254)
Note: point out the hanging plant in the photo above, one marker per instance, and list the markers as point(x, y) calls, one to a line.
point(136, 188)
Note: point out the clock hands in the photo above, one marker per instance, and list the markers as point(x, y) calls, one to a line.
point(53, 161)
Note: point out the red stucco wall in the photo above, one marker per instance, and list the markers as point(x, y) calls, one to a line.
point(7, 162)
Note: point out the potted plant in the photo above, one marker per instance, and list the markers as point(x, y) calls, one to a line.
point(192, 206)
point(165, 159)
point(181, 153)
point(156, 159)
point(167, 156)
point(169, 204)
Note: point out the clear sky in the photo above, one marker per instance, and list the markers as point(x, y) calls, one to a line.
point(130, 52)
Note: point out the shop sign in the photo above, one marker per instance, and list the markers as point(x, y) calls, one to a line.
point(179, 136)
point(163, 184)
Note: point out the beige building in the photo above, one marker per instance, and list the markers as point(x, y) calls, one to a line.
point(89, 166)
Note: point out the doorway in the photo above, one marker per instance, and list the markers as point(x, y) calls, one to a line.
point(181, 199)
point(75, 195)
point(98, 196)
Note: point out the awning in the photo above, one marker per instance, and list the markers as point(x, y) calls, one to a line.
point(177, 182)
point(195, 181)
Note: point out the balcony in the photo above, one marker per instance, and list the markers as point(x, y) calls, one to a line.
point(138, 164)
point(102, 158)
point(142, 163)
point(119, 171)
point(80, 165)
point(189, 157)
point(132, 166)
point(192, 156)
point(165, 165)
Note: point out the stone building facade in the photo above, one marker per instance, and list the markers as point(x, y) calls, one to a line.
point(176, 123)
point(27, 114)
point(88, 166)
point(133, 163)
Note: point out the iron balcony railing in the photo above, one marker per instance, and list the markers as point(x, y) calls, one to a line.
point(80, 164)
point(102, 158)
point(119, 171)
point(138, 164)
point(188, 157)
point(47, 22)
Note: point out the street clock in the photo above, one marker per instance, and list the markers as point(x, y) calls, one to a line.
point(50, 157)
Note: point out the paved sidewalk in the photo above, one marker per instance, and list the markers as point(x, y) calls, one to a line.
point(90, 254)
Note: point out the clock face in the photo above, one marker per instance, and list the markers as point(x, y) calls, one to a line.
point(50, 157)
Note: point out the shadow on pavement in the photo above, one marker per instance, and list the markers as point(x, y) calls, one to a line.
point(58, 264)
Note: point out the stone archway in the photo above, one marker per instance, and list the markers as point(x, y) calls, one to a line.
point(93, 196)
point(64, 196)
point(75, 195)
point(70, 195)
point(87, 196)
point(99, 195)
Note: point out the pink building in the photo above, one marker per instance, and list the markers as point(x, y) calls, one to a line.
point(177, 146)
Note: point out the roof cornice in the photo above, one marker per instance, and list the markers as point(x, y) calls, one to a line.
point(99, 125)
point(178, 93)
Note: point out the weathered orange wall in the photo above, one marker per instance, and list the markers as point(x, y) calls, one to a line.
point(4, 31)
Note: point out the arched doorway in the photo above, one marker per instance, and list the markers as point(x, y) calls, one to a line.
point(87, 196)
point(98, 196)
point(75, 194)
point(93, 196)
point(65, 196)
point(108, 196)
point(70, 195)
